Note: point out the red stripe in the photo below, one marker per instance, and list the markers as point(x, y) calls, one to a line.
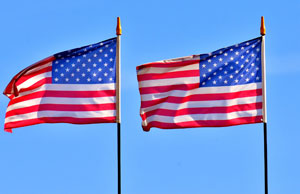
point(32, 74)
point(168, 64)
point(59, 120)
point(203, 97)
point(177, 74)
point(39, 83)
point(204, 110)
point(161, 89)
point(64, 94)
point(61, 107)
point(207, 123)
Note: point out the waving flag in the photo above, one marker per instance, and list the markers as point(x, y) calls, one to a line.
point(75, 86)
point(222, 88)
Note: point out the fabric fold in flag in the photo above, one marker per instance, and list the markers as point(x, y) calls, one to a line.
point(222, 88)
point(77, 86)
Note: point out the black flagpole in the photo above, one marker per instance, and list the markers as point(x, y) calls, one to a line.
point(118, 99)
point(263, 33)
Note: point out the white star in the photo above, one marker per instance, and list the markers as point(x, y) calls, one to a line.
point(67, 70)
point(247, 51)
point(237, 45)
point(225, 72)
point(100, 60)
point(99, 79)
point(78, 60)
point(237, 53)
point(77, 69)
point(62, 65)
point(77, 79)
point(111, 59)
point(242, 75)
point(231, 49)
point(209, 70)
point(247, 79)
point(56, 62)
point(110, 79)
point(72, 74)
point(204, 75)
point(242, 48)
point(101, 43)
point(95, 55)
point(257, 49)
point(203, 83)
point(215, 64)
point(73, 65)
point(73, 56)
point(56, 70)
point(67, 60)
point(111, 50)
point(253, 46)
point(231, 67)
point(209, 60)
point(237, 62)
point(215, 73)
point(220, 77)
point(247, 70)
point(106, 45)
point(236, 71)
point(231, 58)
point(214, 82)
point(257, 59)
point(56, 79)
point(252, 74)
point(247, 60)
point(242, 66)
point(252, 64)
point(257, 68)
point(110, 69)
point(84, 55)
point(88, 79)
point(231, 76)
point(203, 66)
point(79, 54)
point(100, 50)
point(83, 64)
point(225, 81)
point(247, 43)
point(83, 74)
point(252, 55)
point(220, 68)
point(94, 74)
point(220, 59)
point(105, 64)
point(226, 63)
point(94, 65)
point(105, 74)
point(88, 70)
point(257, 78)
point(209, 78)
point(242, 56)
point(67, 79)
point(225, 54)
point(215, 56)
point(105, 55)
point(236, 81)
point(85, 49)
point(99, 69)
point(89, 60)
point(62, 75)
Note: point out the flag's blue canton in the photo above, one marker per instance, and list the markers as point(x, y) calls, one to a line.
point(234, 65)
point(92, 64)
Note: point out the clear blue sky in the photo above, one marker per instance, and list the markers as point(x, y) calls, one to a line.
point(74, 159)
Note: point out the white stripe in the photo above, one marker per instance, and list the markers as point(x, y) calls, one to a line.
point(59, 100)
point(199, 104)
point(71, 87)
point(203, 117)
point(202, 90)
point(161, 70)
point(167, 82)
point(38, 68)
point(29, 82)
point(41, 114)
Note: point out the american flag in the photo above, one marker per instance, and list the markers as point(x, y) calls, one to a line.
point(222, 88)
point(76, 86)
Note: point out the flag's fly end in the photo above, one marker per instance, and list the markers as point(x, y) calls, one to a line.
point(119, 28)
point(262, 26)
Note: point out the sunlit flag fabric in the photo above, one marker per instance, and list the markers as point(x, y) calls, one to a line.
point(75, 86)
point(222, 88)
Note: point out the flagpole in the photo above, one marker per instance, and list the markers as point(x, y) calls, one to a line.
point(118, 98)
point(263, 33)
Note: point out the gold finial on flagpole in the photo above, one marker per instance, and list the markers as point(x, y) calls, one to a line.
point(119, 28)
point(262, 26)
